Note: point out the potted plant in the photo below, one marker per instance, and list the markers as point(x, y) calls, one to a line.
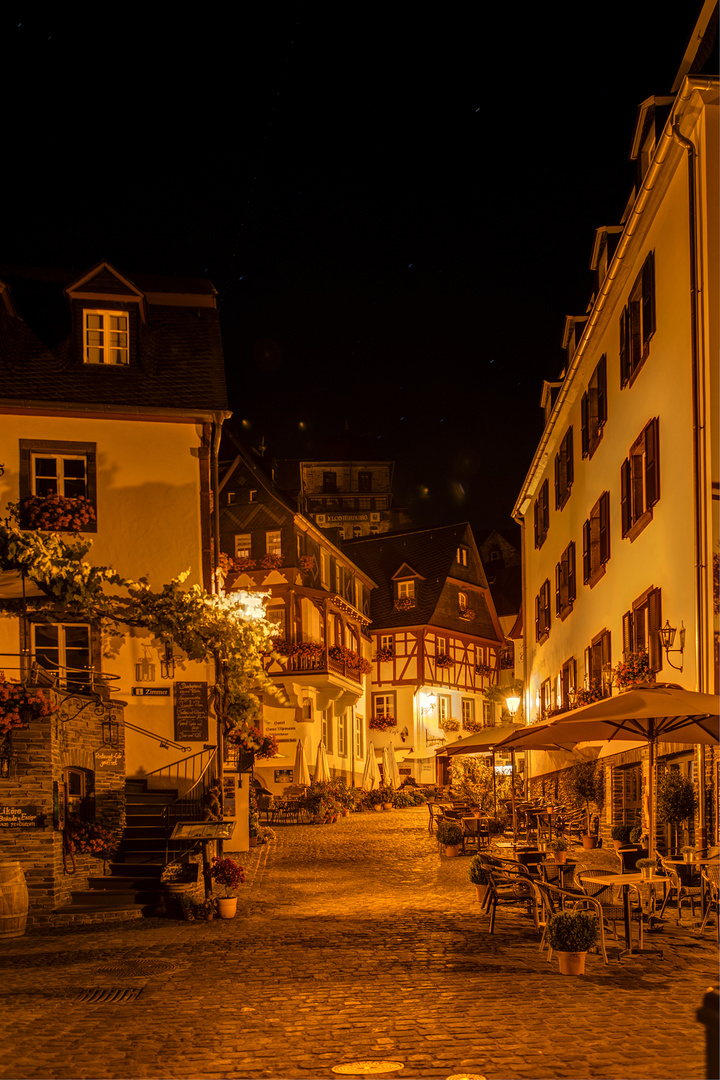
point(205, 909)
point(230, 875)
point(480, 878)
point(676, 801)
point(633, 670)
point(586, 786)
point(559, 847)
point(688, 853)
point(620, 835)
point(636, 836)
point(646, 867)
point(450, 836)
point(571, 934)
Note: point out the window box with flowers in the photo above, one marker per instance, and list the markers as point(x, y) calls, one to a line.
point(442, 660)
point(449, 724)
point(54, 512)
point(405, 603)
point(272, 562)
point(484, 670)
point(342, 655)
point(467, 613)
point(382, 723)
point(90, 838)
point(634, 669)
point(306, 563)
point(472, 726)
point(19, 706)
point(384, 656)
point(586, 695)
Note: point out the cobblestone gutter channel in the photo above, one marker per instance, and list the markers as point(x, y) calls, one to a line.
point(353, 942)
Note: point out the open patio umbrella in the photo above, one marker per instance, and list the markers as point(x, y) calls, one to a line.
point(647, 713)
point(301, 773)
point(370, 772)
point(322, 772)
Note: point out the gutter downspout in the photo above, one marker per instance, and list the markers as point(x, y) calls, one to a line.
point(698, 465)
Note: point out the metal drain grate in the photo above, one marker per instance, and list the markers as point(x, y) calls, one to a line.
point(139, 967)
point(102, 995)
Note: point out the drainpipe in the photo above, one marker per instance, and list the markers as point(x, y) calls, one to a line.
point(698, 464)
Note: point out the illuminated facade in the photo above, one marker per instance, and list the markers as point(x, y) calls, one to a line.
point(619, 510)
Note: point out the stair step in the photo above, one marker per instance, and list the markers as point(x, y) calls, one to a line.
point(151, 868)
point(107, 898)
point(150, 798)
point(134, 832)
point(130, 882)
point(89, 907)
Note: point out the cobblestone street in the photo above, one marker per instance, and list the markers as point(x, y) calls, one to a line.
point(352, 942)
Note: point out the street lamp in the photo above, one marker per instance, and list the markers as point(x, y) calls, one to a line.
point(513, 704)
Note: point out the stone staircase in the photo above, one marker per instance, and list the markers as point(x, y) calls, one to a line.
point(133, 886)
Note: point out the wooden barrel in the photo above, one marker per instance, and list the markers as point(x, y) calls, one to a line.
point(13, 900)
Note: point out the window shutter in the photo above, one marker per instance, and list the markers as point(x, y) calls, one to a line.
point(627, 632)
point(537, 535)
point(558, 473)
point(602, 390)
point(654, 624)
point(537, 617)
point(584, 433)
point(546, 507)
point(652, 463)
point(569, 466)
point(624, 347)
point(586, 551)
point(604, 527)
point(571, 571)
point(558, 598)
point(648, 297)
point(625, 500)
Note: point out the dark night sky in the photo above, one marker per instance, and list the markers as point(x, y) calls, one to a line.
point(397, 209)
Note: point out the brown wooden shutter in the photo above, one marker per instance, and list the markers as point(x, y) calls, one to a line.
point(586, 551)
point(536, 516)
point(627, 632)
point(571, 593)
point(584, 433)
point(624, 346)
point(537, 617)
point(625, 499)
point(652, 463)
point(604, 527)
point(602, 390)
point(558, 580)
point(558, 479)
point(569, 465)
point(648, 298)
point(654, 603)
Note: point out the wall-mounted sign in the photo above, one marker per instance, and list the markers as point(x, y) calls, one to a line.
point(109, 759)
point(332, 519)
point(18, 817)
point(283, 776)
point(191, 711)
point(151, 691)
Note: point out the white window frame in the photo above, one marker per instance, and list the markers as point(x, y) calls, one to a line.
point(243, 545)
point(467, 708)
point(406, 590)
point(383, 705)
point(359, 737)
point(387, 641)
point(343, 734)
point(444, 703)
point(488, 714)
point(327, 728)
point(273, 542)
point(62, 650)
point(60, 460)
point(105, 351)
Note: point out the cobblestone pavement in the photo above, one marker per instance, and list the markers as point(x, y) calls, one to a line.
point(353, 942)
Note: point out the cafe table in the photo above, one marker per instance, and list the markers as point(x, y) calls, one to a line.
point(626, 880)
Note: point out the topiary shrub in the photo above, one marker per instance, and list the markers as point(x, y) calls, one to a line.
point(572, 931)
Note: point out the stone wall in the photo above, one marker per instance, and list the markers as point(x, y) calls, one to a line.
point(72, 736)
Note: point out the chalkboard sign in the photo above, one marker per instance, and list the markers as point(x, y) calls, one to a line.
point(191, 711)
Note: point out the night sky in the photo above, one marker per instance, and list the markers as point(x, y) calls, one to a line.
point(397, 209)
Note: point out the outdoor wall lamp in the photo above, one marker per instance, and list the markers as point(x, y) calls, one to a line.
point(167, 664)
point(426, 702)
point(145, 669)
point(110, 731)
point(667, 639)
point(513, 704)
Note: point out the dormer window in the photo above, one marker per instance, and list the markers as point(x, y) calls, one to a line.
point(105, 337)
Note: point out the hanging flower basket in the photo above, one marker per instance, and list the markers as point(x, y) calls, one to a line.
point(20, 706)
point(382, 723)
point(405, 603)
point(442, 660)
point(56, 513)
point(250, 740)
point(634, 669)
point(484, 670)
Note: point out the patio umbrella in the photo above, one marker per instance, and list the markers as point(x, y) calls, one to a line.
point(648, 713)
point(301, 773)
point(322, 772)
point(392, 774)
point(370, 772)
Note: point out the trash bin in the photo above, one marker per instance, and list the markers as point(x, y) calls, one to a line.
point(707, 1014)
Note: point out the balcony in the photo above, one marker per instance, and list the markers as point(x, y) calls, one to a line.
point(307, 658)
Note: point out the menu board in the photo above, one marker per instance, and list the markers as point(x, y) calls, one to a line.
point(191, 711)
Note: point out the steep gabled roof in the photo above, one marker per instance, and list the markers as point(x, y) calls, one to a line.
point(430, 554)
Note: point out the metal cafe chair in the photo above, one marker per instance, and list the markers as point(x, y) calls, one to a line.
point(681, 891)
point(508, 888)
point(711, 881)
point(552, 899)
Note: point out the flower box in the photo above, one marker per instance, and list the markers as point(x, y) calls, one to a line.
point(56, 513)
point(382, 723)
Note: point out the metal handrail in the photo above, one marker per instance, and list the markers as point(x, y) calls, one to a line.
point(159, 738)
point(190, 806)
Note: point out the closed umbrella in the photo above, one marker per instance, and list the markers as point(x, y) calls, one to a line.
point(370, 772)
point(301, 773)
point(392, 774)
point(650, 713)
point(322, 772)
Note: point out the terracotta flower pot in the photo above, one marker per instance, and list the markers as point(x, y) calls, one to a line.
point(451, 850)
point(560, 857)
point(387, 806)
point(589, 842)
point(377, 808)
point(227, 906)
point(572, 963)
point(482, 891)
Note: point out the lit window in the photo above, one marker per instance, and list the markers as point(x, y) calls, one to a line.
point(598, 664)
point(242, 545)
point(641, 628)
point(106, 337)
point(406, 590)
point(462, 556)
point(273, 543)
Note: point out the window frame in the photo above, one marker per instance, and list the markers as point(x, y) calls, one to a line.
point(596, 541)
point(243, 550)
point(388, 706)
point(29, 449)
point(593, 409)
point(564, 470)
point(598, 663)
point(326, 728)
point(568, 682)
point(461, 555)
point(638, 323)
point(110, 313)
point(641, 627)
point(273, 542)
point(467, 705)
point(542, 612)
point(93, 652)
point(542, 514)
point(342, 729)
point(640, 481)
point(565, 582)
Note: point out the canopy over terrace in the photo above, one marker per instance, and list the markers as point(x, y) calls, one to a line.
point(652, 713)
point(485, 742)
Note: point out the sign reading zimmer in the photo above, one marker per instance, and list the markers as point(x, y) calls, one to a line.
point(190, 700)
